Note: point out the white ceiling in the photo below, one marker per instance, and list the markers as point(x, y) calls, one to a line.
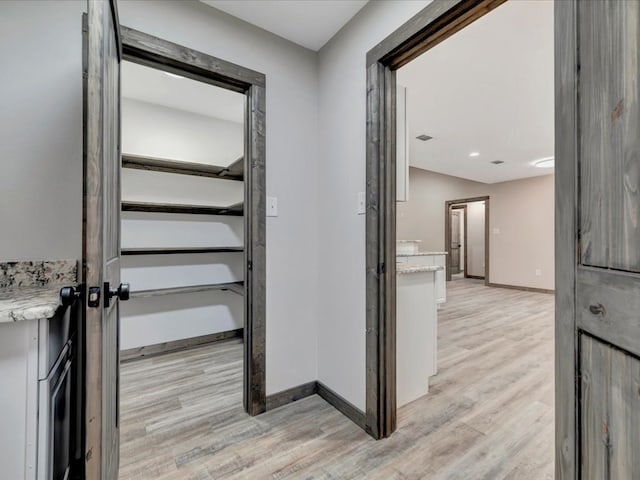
point(155, 86)
point(489, 89)
point(310, 23)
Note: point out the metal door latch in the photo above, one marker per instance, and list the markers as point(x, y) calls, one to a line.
point(93, 299)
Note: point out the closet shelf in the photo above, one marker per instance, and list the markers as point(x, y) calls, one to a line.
point(179, 250)
point(233, 210)
point(235, 287)
point(235, 171)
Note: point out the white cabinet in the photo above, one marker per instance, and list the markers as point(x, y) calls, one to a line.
point(36, 368)
point(416, 335)
point(431, 258)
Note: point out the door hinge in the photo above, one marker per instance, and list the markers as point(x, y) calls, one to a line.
point(382, 268)
point(249, 265)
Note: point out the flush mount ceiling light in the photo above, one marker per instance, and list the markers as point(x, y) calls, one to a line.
point(547, 162)
point(424, 137)
point(497, 162)
point(474, 154)
point(173, 75)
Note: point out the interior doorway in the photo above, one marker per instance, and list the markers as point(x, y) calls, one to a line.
point(467, 238)
point(431, 27)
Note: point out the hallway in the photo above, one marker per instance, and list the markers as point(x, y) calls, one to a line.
point(489, 412)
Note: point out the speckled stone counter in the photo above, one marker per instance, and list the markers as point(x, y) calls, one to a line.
point(30, 290)
point(403, 268)
point(420, 254)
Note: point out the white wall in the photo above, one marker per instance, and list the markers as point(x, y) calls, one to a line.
point(521, 210)
point(41, 134)
point(41, 149)
point(342, 74)
point(163, 132)
point(292, 167)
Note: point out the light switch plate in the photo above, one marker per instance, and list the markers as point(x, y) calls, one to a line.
point(272, 206)
point(362, 203)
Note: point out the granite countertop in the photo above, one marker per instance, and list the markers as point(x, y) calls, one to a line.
point(408, 241)
point(28, 303)
point(403, 268)
point(31, 290)
point(419, 254)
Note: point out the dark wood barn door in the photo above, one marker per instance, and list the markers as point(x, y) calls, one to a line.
point(101, 247)
point(598, 235)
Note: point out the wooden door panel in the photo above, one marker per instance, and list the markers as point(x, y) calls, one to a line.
point(609, 145)
point(618, 294)
point(610, 411)
point(594, 416)
point(102, 239)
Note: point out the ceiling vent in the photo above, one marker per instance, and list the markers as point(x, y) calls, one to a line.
point(498, 162)
point(424, 137)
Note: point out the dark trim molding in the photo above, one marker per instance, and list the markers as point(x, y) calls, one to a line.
point(349, 410)
point(294, 394)
point(474, 277)
point(277, 400)
point(433, 24)
point(524, 289)
point(157, 53)
point(458, 203)
point(176, 345)
point(465, 269)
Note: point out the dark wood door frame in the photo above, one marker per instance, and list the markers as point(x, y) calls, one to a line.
point(448, 205)
point(465, 238)
point(157, 53)
point(433, 24)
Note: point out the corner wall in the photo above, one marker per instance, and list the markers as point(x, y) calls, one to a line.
point(342, 110)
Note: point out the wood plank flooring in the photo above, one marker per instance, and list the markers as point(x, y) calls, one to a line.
point(488, 415)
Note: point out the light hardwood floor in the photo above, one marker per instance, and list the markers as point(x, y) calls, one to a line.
point(488, 415)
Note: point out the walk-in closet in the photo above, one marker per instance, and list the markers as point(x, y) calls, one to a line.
point(182, 245)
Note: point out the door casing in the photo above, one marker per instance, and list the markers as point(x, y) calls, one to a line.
point(154, 52)
point(433, 24)
point(448, 205)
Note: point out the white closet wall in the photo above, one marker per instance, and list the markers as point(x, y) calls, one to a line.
point(152, 130)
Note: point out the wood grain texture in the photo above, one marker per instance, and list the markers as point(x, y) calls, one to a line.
point(290, 395)
point(380, 252)
point(609, 143)
point(566, 235)
point(236, 287)
point(255, 238)
point(610, 411)
point(147, 351)
point(433, 24)
point(489, 414)
point(156, 52)
point(235, 171)
point(233, 210)
point(101, 237)
point(179, 250)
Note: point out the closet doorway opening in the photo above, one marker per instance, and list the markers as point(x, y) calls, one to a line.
point(192, 336)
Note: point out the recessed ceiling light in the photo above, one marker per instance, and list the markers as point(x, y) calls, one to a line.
point(497, 162)
point(173, 75)
point(424, 137)
point(474, 154)
point(547, 162)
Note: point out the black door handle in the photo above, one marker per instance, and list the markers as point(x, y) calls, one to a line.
point(597, 309)
point(69, 295)
point(122, 292)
